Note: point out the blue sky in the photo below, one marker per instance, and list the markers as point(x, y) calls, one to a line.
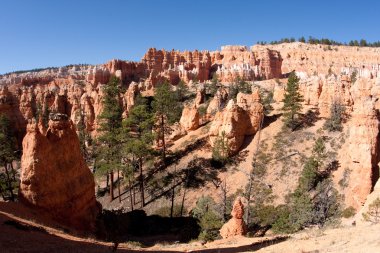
point(41, 33)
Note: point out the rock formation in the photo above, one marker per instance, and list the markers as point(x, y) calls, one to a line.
point(236, 225)
point(322, 59)
point(363, 152)
point(190, 118)
point(237, 120)
point(55, 177)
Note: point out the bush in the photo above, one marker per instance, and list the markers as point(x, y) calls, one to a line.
point(348, 212)
point(373, 213)
point(209, 220)
point(334, 123)
point(165, 211)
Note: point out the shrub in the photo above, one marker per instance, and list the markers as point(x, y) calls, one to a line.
point(209, 220)
point(348, 212)
point(165, 211)
point(334, 123)
point(373, 213)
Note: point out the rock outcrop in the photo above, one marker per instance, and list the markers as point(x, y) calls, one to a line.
point(236, 225)
point(190, 118)
point(369, 200)
point(55, 177)
point(322, 59)
point(237, 120)
point(363, 151)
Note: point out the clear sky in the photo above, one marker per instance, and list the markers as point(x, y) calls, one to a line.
point(37, 33)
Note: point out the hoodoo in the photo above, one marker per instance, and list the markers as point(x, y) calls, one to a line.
point(55, 177)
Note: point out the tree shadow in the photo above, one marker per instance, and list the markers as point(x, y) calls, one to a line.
point(119, 226)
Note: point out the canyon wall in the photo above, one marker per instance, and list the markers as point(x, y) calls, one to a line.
point(322, 59)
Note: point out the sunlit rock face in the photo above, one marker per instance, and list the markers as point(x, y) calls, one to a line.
point(54, 175)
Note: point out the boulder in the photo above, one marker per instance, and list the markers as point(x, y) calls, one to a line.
point(55, 177)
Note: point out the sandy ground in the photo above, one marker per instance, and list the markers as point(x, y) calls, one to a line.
point(21, 231)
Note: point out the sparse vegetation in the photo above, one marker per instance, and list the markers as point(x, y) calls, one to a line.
point(292, 102)
point(373, 213)
point(335, 121)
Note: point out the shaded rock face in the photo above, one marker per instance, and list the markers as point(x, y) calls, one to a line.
point(55, 177)
point(363, 152)
point(236, 225)
point(237, 120)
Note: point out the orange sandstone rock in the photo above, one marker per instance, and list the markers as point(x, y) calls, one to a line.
point(236, 225)
point(55, 177)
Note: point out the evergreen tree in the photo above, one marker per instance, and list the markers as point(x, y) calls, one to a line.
point(292, 102)
point(139, 124)
point(7, 155)
point(109, 149)
point(335, 121)
point(167, 111)
point(181, 91)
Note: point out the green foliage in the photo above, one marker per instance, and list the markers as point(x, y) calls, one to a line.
point(238, 86)
point(221, 150)
point(315, 201)
point(209, 220)
point(292, 102)
point(213, 87)
point(334, 123)
point(354, 77)
point(109, 148)
point(267, 100)
point(165, 211)
point(167, 110)
point(326, 204)
point(373, 213)
point(8, 181)
point(210, 224)
point(323, 41)
point(181, 92)
point(348, 212)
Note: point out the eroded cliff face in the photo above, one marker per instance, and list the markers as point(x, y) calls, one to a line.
point(237, 120)
point(54, 175)
point(320, 59)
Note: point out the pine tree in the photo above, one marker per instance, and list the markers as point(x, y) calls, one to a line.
point(167, 111)
point(109, 149)
point(7, 155)
point(292, 102)
point(139, 124)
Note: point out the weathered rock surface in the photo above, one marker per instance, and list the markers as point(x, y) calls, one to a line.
point(237, 120)
point(321, 59)
point(236, 225)
point(190, 118)
point(363, 151)
point(55, 177)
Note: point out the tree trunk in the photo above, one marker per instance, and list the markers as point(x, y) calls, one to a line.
point(172, 207)
point(118, 185)
point(183, 200)
point(130, 193)
point(111, 186)
point(141, 183)
point(13, 172)
point(9, 182)
point(163, 138)
point(249, 198)
point(108, 178)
